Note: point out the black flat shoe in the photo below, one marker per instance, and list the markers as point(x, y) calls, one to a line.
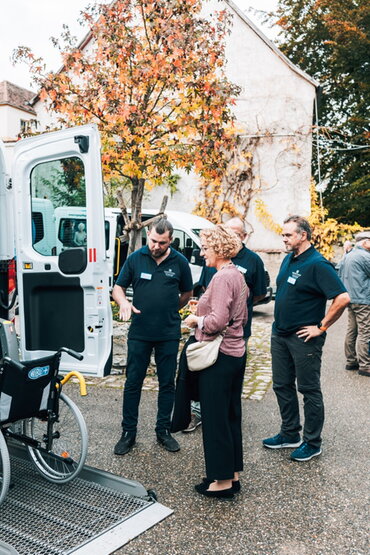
point(235, 484)
point(218, 494)
point(203, 485)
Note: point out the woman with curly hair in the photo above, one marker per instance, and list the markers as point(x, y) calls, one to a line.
point(222, 309)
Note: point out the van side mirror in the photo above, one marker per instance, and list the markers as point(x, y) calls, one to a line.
point(196, 258)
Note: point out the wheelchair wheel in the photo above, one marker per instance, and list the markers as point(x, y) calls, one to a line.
point(4, 468)
point(69, 447)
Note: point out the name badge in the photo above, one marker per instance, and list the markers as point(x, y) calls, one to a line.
point(291, 280)
point(143, 275)
point(241, 269)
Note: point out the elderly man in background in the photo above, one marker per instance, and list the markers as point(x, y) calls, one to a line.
point(354, 271)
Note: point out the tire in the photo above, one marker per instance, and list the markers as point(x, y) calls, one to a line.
point(4, 468)
point(72, 441)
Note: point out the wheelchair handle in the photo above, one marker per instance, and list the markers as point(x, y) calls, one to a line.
point(72, 353)
point(14, 363)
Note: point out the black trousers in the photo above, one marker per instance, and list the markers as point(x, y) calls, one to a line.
point(293, 361)
point(138, 358)
point(220, 388)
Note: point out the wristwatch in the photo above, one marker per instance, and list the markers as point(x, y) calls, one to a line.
point(321, 327)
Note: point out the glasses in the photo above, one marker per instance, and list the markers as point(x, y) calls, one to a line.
point(205, 249)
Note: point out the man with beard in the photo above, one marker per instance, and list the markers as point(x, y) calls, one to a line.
point(304, 284)
point(162, 284)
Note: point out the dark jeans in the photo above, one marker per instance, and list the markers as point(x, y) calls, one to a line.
point(220, 388)
point(293, 359)
point(138, 358)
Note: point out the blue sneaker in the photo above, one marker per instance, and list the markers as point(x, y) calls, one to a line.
point(281, 442)
point(305, 452)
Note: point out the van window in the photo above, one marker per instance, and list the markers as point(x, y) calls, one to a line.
point(37, 227)
point(183, 243)
point(54, 184)
point(67, 233)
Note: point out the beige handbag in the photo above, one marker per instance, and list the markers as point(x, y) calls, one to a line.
point(202, 354)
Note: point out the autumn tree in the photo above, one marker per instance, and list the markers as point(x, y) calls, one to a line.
point(151, 75)
point(330, 40)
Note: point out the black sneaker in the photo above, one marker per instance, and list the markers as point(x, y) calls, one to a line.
point(125, 443)
point(168, 442)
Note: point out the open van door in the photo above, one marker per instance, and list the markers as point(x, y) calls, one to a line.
point(63, 296)
point(7, 264)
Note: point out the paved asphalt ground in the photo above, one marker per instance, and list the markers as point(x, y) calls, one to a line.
point(285, 507)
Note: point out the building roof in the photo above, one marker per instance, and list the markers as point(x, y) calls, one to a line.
point(271, 45)
point(12, 95)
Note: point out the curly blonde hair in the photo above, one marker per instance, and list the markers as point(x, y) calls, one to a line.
point(222, 240)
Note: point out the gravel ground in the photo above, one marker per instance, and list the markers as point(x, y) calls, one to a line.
point(285, 508)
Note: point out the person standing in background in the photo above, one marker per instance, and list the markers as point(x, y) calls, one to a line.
point(354, 270)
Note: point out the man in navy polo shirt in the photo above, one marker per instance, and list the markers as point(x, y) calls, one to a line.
point(162, 284)
point(305, 282)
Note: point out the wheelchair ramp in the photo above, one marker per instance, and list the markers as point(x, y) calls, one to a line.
point(94, 514)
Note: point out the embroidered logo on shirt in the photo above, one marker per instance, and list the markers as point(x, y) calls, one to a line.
point(169, 273)
point(293, 278)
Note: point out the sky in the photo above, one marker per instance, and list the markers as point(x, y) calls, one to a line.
point(32, 22)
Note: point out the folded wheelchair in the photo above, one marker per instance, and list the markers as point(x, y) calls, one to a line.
point(35, 412)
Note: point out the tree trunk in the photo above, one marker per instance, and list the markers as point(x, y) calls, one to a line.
point(136, 202)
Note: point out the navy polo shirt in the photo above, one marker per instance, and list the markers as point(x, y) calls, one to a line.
point(252, 267)
point(304, 285)
point(156, 293)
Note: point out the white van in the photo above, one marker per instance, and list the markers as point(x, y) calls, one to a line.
point(43, 226)
point(185, 236)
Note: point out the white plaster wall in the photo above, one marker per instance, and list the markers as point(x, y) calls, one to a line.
point(3, 121)
point(45, 118)
point(10, 121)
